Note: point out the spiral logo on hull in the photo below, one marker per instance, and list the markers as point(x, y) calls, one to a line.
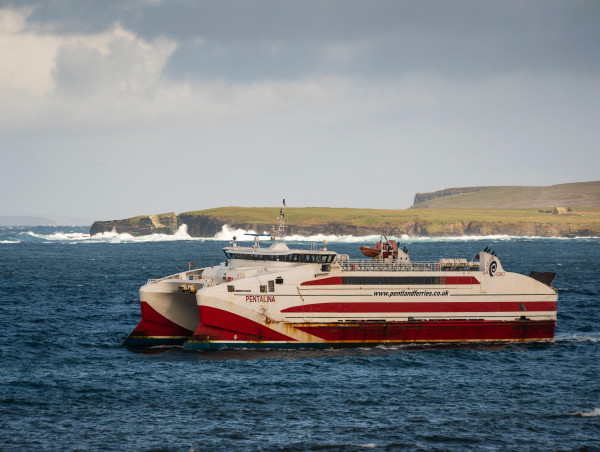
point(493, 267)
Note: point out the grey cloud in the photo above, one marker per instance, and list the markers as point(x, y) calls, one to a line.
point(477, 93)
point(80, 70)
point(125, 66)
point(242, 62)
point(458, 38)
point(72, 16)
point(466, 38)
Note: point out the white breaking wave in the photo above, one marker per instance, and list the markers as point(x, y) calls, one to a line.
point(577, 338)
point(113, 237)
point(227, 234)
point(182, 233)
point(595, 413)
point(344, 238)
point(61, 236)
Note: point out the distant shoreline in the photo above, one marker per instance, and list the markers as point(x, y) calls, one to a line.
point(78, 234)
point(32, 220)
point(583, 222)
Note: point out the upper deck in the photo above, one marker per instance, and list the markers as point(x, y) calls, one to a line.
point(295, 256)
point(379, 265)
point(279, 252)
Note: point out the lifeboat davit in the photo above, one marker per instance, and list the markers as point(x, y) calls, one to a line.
point(385, 249)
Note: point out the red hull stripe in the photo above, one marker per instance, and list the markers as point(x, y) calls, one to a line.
point(445, 306)
point(218, 319)
point(155, 324)
point(337, 281)
point(437, 331)
point(331, 281)
point(212, 333)
point(458, 280)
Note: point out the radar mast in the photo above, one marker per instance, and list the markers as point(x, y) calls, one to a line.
point(279, 233)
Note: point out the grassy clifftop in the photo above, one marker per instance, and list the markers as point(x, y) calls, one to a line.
point(307, 221)
point(581, 194)
point(444, 222)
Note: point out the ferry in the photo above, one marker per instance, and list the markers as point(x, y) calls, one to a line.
point(278, 297)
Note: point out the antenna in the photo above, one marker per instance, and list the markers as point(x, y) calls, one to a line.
point(279, 234)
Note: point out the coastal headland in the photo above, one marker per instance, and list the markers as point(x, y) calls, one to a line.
point(308, 221)
point(566, 210)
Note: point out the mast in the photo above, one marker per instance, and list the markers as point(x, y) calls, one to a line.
point(279, 233)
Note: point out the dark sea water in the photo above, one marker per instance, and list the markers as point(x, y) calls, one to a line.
point(67, 302)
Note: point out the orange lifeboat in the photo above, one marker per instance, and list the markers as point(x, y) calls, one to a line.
point(386, 249)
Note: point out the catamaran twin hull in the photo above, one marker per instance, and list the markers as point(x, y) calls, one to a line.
point(352, 303)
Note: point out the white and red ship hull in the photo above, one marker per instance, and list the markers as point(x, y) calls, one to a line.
point(354, 334)
point(282, 298)
point(169, 311)
point(342, 310)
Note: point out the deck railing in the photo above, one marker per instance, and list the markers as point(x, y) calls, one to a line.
point(384, 265)
point(190, 275)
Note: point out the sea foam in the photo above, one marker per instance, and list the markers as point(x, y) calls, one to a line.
point(577, 338)
point(114, 237)
point(227, 233)
point(595, 413)
point(110, 237)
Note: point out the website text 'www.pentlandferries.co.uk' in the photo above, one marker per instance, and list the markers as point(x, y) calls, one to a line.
point(413, 293)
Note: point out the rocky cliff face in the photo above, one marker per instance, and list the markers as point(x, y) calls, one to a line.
point(208, 226)
point(200, 225)
point(165, 223)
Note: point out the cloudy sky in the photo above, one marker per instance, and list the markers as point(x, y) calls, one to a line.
point(110, 109)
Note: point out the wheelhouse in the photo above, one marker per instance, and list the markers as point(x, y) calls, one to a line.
point(296, 257)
